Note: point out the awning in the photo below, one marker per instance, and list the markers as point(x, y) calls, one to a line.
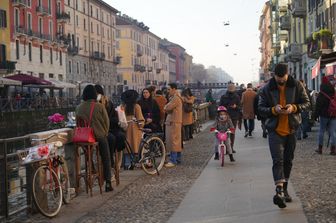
point(5, 81)
point(28, 79)
point(61, 84)
point(330, 68)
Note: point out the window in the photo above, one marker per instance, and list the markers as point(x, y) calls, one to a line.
point(91, 45)
point(85, 68)
point(84, 7)
point(60, 57)
point(29, 22)
point(41, 75)
point(84, 24)
point(70, 66)
point(97, 16)
point(29, 3)
point(50, 28)
point(102, 29)
point(77, 20)
point(108, 51)
point(97, 29)
point(51, 75)
point(98, 47)
point(68, 2)
point(108, 34)
point(91, 27)
point(118, 33)
point(78, 42)
point(41, 54)
point(2, 52)
point(60, 77)
point(49, 6)
point(17, 49)
point(40, 25)
point(3, 19)
point(85, 49)
point(17, 18)
point(76, 4)
point(51, 56)
point(78, 70)
point(30, 51)
point(91, 10)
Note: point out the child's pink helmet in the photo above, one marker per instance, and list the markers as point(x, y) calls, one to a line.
point(221, 108)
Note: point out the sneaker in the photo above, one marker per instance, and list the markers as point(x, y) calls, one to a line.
point(279, 198)
point(250, 134)
point(288, 198)
point(169, 165)
point(108, 186)
point(216, 156)
point(246, 134)
point(264, 135)
point(233, 151)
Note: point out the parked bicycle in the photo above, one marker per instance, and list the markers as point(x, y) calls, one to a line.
point(50, 184)
point(197, 123)
point(152, 152)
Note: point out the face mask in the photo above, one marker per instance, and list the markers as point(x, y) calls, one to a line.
point(99, 97)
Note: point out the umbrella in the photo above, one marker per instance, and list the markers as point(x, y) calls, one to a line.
point(5, 81)
point(28, 79)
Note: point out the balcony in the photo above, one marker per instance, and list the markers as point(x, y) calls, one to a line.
point(117, 60)
point(283, 35)
point(158, 70)
point(276, 45)
point(62, 17)
point(299, 8)
point(285, 23)
point(72, 50)
point(8, 66)
point(19, 3)
point(20, 31)
point(154, 58)
point(139, 51)
point(283, 5)
point(96, 55)
point(62, 39)
point(140, 68)
point(43, 11)
point(319, 43)
point(150, 69)
point(294, 52)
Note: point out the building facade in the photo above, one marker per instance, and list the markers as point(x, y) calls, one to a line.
point(143, 62)
point(91, 35)
point(187, 68)
point(6, 66)
point(34, 44)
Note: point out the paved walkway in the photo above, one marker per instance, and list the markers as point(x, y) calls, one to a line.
point(239, 192)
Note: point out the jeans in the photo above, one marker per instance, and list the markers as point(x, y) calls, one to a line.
point(304, 126)
point(105, 157)
point(249, 125)
point(175, 157)
point(329, 125)
point(282, 150)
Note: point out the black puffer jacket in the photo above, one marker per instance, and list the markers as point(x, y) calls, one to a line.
point(229, 99)
point(322, 102)
point(269, 97)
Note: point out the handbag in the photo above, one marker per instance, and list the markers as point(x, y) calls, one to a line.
point(187, 107)
point(85, 133)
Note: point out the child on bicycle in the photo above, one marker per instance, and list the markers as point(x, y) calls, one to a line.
point(223, 123)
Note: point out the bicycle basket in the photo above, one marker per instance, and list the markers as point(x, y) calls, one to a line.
point(36, 153)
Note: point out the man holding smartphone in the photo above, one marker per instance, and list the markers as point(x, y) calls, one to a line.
point(281, 101)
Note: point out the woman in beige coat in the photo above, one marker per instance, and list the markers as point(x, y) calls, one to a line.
point(187, 115)
point(247, 103)
point(133, 112)
point(173, 125)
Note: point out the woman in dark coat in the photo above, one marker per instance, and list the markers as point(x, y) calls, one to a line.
point(150, 110)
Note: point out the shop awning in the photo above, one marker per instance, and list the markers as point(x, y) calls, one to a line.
point(61, 84)
point(28, 79)
point(6, 81)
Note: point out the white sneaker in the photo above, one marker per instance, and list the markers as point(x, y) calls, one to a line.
point(169, 165)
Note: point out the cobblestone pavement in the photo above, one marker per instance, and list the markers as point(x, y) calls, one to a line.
point(155, 198)
point(314, 179)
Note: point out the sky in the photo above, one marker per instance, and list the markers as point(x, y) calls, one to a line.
point(197, 25)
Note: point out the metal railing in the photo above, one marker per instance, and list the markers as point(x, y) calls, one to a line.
point(24, 104)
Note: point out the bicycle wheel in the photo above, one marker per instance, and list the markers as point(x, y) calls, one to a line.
point(47, 192)
point(63, 176)
point(222, 154)
point(153, 154)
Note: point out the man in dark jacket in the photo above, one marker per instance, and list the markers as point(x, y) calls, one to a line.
point(231, 101)
point(281, 101)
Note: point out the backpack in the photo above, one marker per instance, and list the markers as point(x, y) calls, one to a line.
point(332, 105)
point(187, 107)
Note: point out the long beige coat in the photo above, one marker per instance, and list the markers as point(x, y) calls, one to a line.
point(174, 124)
point(247, 102)
point(133, 133)
point(187, 118)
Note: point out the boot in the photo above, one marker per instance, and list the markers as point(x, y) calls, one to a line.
point(216, 156)
point(333, 150)
point(288, 198)
point(108, 186)
point(231, 158)
point(319, 150)
point(279, 198)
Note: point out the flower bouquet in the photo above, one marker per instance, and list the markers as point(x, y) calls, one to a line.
point(56, 121)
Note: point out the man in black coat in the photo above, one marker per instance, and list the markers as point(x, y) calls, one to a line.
point(280, 102)
point(231, 101)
